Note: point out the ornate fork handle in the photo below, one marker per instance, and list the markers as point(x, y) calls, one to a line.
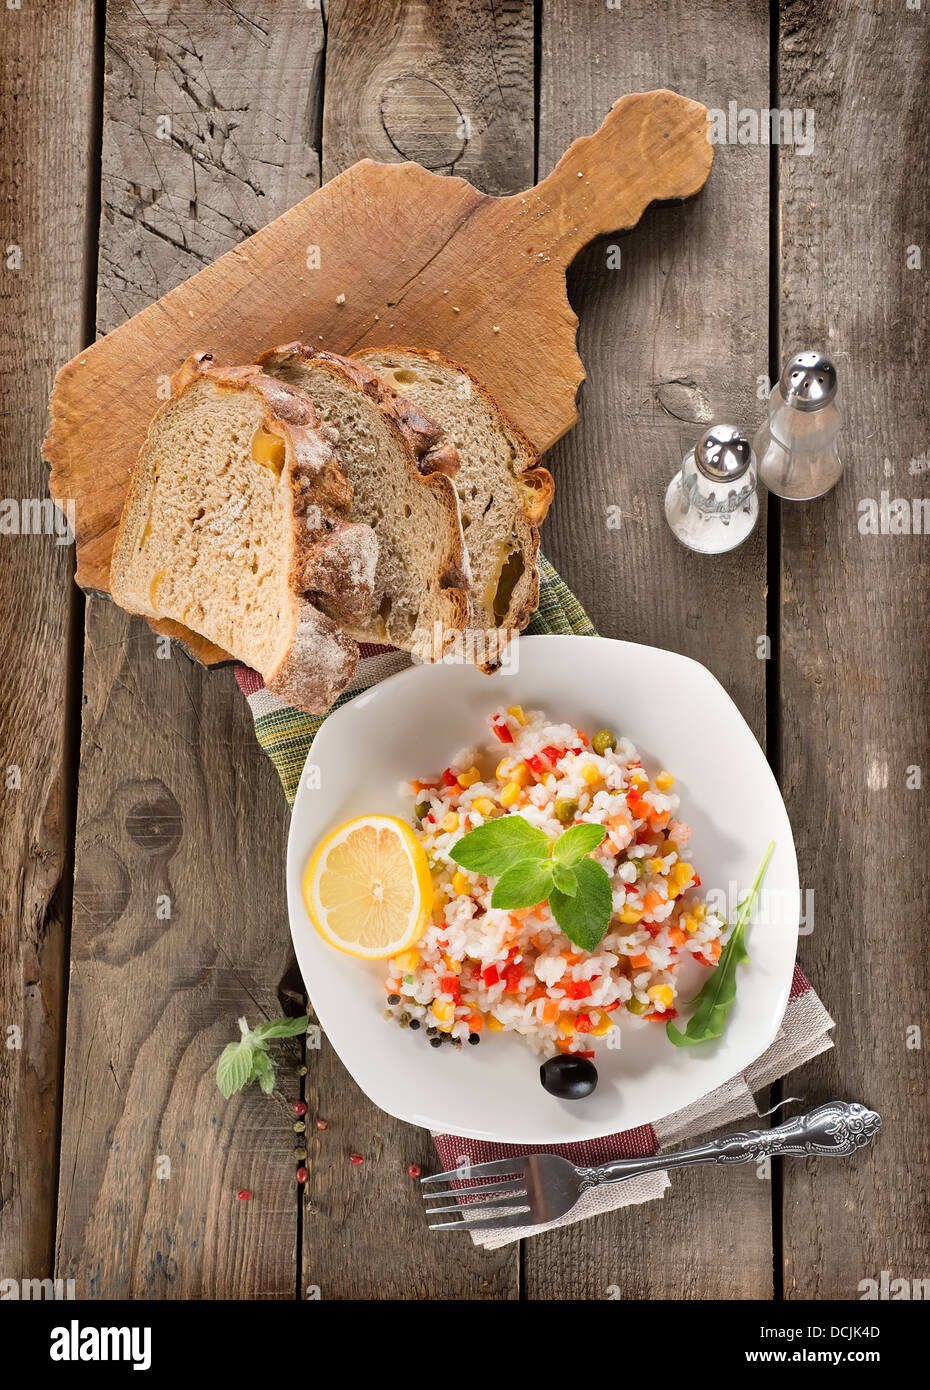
point(836, 1130)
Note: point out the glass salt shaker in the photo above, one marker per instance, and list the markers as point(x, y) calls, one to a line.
point(797, 444)
point(711, 504)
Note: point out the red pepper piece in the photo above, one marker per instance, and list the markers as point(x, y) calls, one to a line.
point(552, 753)
point(513, 975)
point(583, 1023)
point(609, 1008)
point(490, 975)
point(578, 989)
point(696, 881)
point(450, 778)
point(503, 733)
point(537, 764)
point(449, 984)
point(584, 1054)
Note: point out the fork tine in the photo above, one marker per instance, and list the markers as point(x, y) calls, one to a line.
point(501, 1168)
point(512, 1199)
point(496, 1223)
point(513, 1185)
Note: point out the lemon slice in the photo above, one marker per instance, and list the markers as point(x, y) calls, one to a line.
point(368, 888)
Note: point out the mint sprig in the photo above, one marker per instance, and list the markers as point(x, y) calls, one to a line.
point(531, 869)
point(718, 992)
point(248, 1060)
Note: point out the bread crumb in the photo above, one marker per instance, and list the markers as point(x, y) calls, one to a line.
point(455, 308)
point(340, 299)
point(497, 328)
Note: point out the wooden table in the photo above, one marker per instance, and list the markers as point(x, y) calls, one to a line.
point(143, 834)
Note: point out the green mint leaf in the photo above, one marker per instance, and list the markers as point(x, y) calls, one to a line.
point(263, 1068)
point(585, 917)
point(564, 880)
point(234, 1069)
point(718, 992)
point(491, 848)
point(524, 884)
point(282, 1027)
point(577, 842)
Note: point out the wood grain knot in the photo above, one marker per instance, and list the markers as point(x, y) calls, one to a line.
point(155, 825)
point(423, 122)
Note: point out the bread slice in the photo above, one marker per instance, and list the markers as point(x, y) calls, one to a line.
point(236, 525)
point(399, 469)
point(503, 493)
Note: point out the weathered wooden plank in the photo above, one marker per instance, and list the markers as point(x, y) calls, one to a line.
point(178, 809)
point(445, 84)
point(46, 123)
point(365, 1234)
point(672, 340)
point(855, 659)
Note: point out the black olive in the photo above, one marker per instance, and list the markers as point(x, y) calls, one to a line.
point(568, 1077)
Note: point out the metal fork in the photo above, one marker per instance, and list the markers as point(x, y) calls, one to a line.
point(538, 1188)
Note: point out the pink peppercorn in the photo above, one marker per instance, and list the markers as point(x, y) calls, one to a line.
point(300, 1107)
point(414, 1170)
point(322, 1124)
point(356, 1158)
point(302, 1174)
point(244, 1195)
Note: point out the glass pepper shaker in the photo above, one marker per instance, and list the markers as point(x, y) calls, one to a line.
point(797, 444)
point(711, 504)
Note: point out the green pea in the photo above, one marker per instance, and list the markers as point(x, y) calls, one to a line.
point(603, 742)
point(636, 1006)
point(421, 809)
point(566, 808)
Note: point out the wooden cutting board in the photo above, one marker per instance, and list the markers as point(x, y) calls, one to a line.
point(382, 254)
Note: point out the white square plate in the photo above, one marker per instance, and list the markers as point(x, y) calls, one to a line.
point(679, 717)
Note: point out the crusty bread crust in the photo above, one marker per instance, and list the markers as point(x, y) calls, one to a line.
point(432, 463)
point(337, 556)
point(537, 487)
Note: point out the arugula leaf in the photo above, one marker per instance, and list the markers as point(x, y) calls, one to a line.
point(247, 1060)
point(585, 917)
point(577, 842)
point(493, 847)
point(718, 992)
point(524, 884)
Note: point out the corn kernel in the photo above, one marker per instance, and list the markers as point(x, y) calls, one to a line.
point(698, 911)
point(669, 847)
point(688, 922)
point(450, 821)
point(673, 889)
point(630, 916)
point(522, 775)
point(639, 777)
point(682, 873)
point(661, 994)
point(443, 1009)
point(460, 883)
point(510, 793)
point(656, 865)
point(407, 961)
point(483, 805)
point(566, 1025)
point(664, 782)
point(503, 768)
point(591, 773)
point(453, 967)
point(469, 778)
point(494, 1024)
point(603, 1026)
point(516, 712)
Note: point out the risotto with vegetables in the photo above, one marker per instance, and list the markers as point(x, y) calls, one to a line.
point(480, 968)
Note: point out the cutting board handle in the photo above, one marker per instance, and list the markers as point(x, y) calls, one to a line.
point(652, 146)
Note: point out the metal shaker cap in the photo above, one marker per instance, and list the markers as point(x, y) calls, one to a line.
point(808, 381)
point(723, 454)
